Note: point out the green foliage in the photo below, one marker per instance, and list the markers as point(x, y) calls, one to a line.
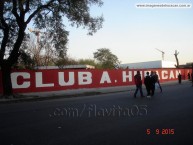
point(25, 61)
point(106, 58)
point(90, 62)
point(16, 15)
point(87, 61)
point(61, 62)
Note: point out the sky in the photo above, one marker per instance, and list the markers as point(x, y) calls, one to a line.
point(132, 34)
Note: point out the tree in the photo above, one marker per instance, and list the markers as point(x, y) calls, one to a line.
point(16, 15)
point(42, 52)
point(65, 60)
point(106, 58)
point(25, 61)
point(87, 62)
point(34, 51)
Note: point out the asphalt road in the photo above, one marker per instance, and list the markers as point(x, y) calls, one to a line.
point(108, 119)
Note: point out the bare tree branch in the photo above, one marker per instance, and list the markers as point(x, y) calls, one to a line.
point(14, 11)
point(22, 12)
point(38, 10)
point(27, 6)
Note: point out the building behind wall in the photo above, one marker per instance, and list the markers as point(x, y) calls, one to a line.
point(67, 67)
point(187, 65)
point(149, 64)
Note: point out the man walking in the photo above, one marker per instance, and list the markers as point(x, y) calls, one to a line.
point(157, 81)
point(179, 78)
point(188, 76)
point(138, 83)
point(147, 82)
point(153, 80)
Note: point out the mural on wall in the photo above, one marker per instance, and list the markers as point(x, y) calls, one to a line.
point(24, 81)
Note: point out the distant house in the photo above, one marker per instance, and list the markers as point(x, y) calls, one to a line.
point(187, 65)
point(149, 64)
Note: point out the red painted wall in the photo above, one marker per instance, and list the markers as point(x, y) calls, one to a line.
point(25, 81)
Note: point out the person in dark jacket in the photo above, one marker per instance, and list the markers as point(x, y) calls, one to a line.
point(188, 76)
point(192, 78)
point(179, 78)
point(153, 80)
point(157, 81)
point(138, 83)
point(147, 82)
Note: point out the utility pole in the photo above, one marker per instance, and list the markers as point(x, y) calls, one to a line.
point(162, 53)
point(37, 33)
point(176, 56)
